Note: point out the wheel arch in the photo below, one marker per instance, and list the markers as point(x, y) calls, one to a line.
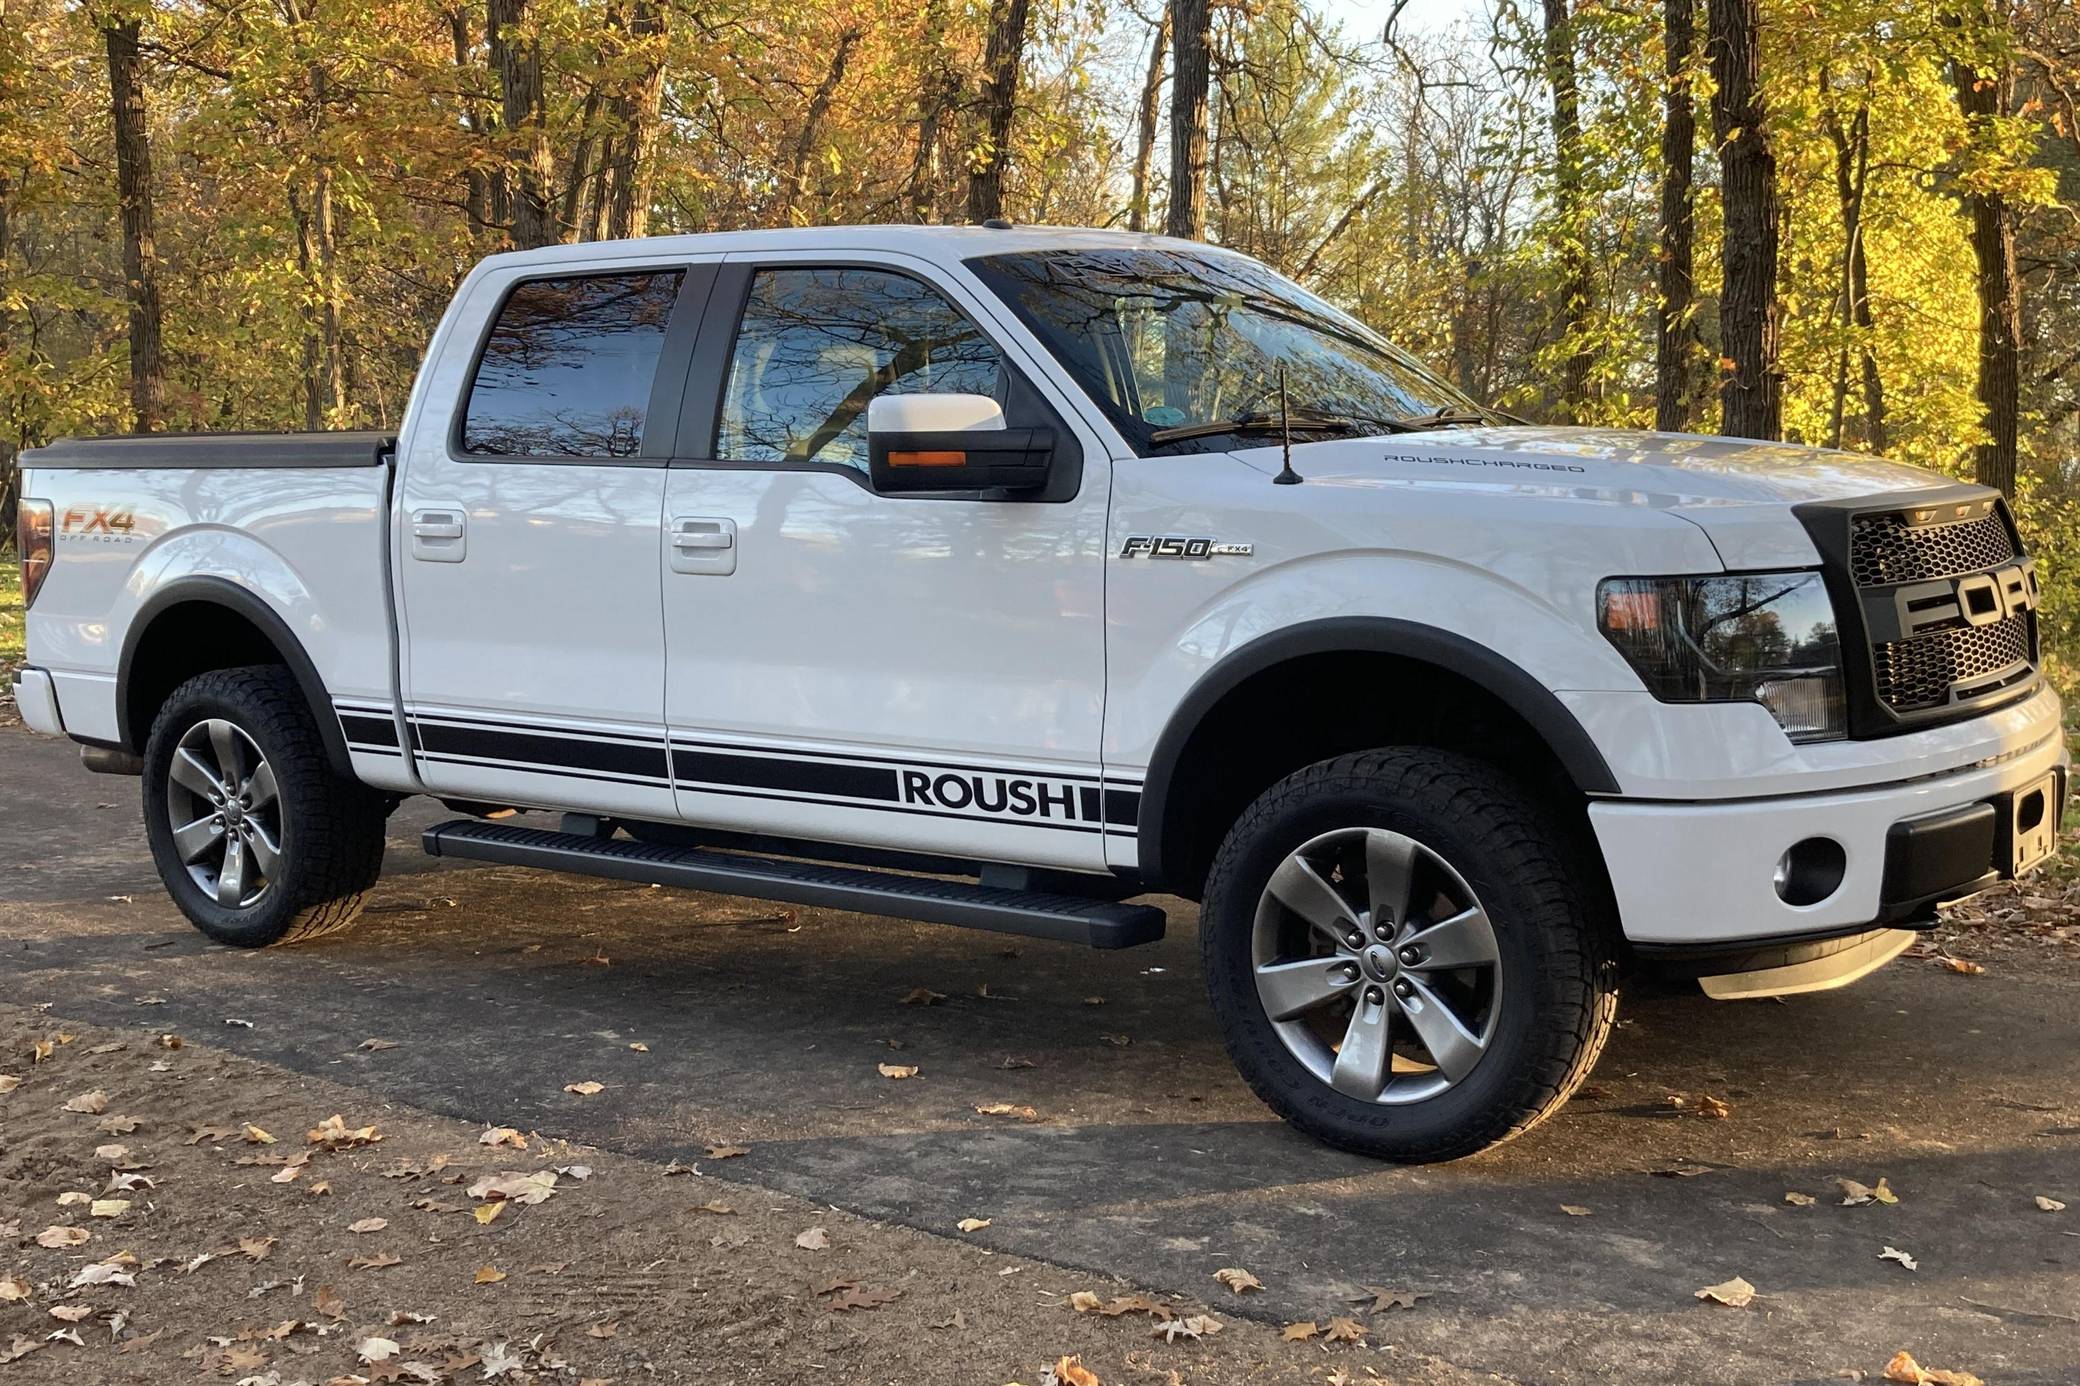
point(196, 624)
point(1172, 853)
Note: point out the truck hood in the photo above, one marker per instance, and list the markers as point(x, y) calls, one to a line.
point(1739, 491)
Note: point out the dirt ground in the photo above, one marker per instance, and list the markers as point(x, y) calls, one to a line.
point(171, 1212)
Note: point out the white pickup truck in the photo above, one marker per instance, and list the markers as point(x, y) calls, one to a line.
point(997, 576)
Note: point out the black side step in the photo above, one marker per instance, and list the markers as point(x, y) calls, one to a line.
point(1037, 914)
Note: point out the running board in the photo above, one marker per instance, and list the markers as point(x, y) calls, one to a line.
point(1036, 914)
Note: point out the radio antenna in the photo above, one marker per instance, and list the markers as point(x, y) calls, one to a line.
point(1286, 475)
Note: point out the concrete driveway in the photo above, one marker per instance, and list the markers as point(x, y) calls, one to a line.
point(1150, 1160)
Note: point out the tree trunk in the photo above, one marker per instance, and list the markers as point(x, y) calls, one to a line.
point(580, 170)
point(10, 472)
point(1006, 55)
point(1852, 157)
point(797, 185)
point(938, 92)
point(628, 212)
point(1751, 393)
point(1567, 196)
point(529, 171)
point(1150, 117)
point(1191, 68)
point(313, 383)
point(477, 204)
point(140, 247)
point(1984, 97)
point(1675, 323)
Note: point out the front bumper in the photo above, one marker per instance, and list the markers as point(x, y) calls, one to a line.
point(1691, 875)
point(37, 699)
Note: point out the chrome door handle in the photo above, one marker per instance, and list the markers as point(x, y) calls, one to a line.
point(438, 536)
point(704, 545)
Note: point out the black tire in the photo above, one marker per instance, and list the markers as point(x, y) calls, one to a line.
point(1557, 979)
point(331, 829)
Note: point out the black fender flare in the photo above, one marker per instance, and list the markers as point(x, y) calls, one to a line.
point(1518, 690)
point(240, 601)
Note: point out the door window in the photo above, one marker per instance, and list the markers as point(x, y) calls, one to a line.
point(568, 367)
point(817, 343)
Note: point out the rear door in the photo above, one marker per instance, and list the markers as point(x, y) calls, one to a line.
point(900, 671)
point(533, 640)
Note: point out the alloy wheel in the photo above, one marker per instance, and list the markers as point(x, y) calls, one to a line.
point(225, 812)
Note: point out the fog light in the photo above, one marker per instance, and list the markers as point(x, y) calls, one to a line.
point(1810, 871)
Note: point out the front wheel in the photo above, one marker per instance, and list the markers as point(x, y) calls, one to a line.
point(258, 840)
point(1400, 958)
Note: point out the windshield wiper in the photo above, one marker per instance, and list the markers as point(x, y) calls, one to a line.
point(1254, 423)
point(1439, 418)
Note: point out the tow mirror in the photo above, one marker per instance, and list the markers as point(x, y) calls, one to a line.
point(952, 443)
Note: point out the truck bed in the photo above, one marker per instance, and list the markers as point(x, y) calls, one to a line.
point(190, 451)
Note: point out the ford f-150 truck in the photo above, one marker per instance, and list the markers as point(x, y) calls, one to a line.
point(1000, 576)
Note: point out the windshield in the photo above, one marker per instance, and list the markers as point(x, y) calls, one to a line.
point(1169, 341)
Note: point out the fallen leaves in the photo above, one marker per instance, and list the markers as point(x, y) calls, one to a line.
point(1799, 1200)
point(108, 1207)
point(60, 1237)
point(1299, 1332)
point(1963, 967)
point(1575, 1210)
point(91, 1103)
point(898, 1070)
point(376, 1046)
point(373, 1349)
point(502, 1135)
point(1893, 1253)
point(2049, 1205)
point(727, 1152)
point(329, 1302)
point(923, 996)
point(375, 1262)
point(586, 1088)
point(253, 1135)
point(1237, 1279)
point(1085, 1302)
point(1703, 1105)
point(1855, 1194)
point(256, 1248)
point(1344, 1330)
point(9, 1082)
point(524, 1188)
point(102, 1273)
point(1734, 1294)
point(1007, 1109)
point(488, 1275)
point(14, 1290)
point(1904, 1368)
point(367, 1225)
point(848, 1295)
point(117, 1125)
point(1070, 1371)
point(1383, 1300)
point(1191, 1326)
point(333, 1134)
point(814, 1239)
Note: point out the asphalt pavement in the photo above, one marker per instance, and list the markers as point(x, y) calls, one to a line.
point(766, 1027)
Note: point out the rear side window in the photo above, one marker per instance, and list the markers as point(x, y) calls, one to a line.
point(568, 367)
point(816, 345)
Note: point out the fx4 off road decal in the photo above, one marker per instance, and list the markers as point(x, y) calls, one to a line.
point(1181, 546)
point(104, 524)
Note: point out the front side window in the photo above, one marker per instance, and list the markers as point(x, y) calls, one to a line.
point(817, 343)
point(1169, 341)
point(568, 367)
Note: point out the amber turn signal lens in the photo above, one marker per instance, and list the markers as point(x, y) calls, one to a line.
point(928, 459)
point(32, 540)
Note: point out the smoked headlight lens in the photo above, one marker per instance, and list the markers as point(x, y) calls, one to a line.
point(1767, 638)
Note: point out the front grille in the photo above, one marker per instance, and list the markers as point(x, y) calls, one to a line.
point(1885, 548)
point(1918, 674)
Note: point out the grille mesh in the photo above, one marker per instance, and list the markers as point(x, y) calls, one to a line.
point(1885, 549)
point(1917, 674)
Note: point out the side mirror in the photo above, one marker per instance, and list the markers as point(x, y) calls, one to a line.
point(952, 443)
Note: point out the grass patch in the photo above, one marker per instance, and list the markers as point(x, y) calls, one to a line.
point(10, 611)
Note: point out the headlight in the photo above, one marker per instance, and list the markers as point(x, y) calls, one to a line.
point(1767, 638)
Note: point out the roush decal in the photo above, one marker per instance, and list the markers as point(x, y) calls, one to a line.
point(1019, 797)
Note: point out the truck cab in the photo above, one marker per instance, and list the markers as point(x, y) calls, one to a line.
point(1003, 575)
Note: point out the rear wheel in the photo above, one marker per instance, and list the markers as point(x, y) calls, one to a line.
point(1401, 960)
point(257, 839)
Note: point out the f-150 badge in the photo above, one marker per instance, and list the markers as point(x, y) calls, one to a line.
point(1181, 546)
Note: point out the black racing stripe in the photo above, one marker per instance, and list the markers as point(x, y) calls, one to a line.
point(802, 776)
point(643, 738)
point(907, 762)
point(369, 731)
point(1123, 807)
point(640, 781)
point(531, 749)
point(1050, 825)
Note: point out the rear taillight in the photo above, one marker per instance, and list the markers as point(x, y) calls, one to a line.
point(32, 539)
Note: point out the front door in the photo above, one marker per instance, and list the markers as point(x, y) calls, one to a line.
point(908, 672)
point(532, 641)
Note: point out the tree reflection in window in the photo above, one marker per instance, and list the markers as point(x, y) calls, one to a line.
point(817, 344)
point(1164, 337)
point(568, 367)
